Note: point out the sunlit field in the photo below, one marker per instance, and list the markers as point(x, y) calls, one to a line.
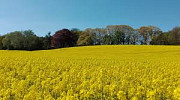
point(91, 73)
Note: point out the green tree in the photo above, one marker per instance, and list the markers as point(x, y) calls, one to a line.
point(127, 30)
point(1, 44)
point(47, 41)
point(30, 40)
point(174, 36)
point(119, 37)
point(85, 39)
point(134, 38)
point(13, 40)
point(148, 33)
point(77, 33)
point(162, 39)
point(107, 40)
point(22, 40)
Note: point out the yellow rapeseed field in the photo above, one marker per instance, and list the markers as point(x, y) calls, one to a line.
point(91, 73)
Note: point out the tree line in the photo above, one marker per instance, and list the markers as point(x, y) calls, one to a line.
point(111, 35)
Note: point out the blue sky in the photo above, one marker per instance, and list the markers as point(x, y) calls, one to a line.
point(43, 16)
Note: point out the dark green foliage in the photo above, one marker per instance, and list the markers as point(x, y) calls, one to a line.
point(1, 44)
point(31, 41)
point(162, 39)
point(14, 40)
point(119, 37)
point(108, 40)
point(47, 41)
point(169, 38)
point(76, 32)
point(22, 40)
point(174, 36)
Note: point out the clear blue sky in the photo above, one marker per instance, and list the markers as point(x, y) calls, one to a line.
point(43, 16)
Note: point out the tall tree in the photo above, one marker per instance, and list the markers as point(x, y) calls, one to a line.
point(134, 38)
point(96, 35)
point(63, 38)
point(77, 32)
point(155, 31)
point(144, 33)
point(147, 33)
point(1, 44)
point(85, 39)
point(161, 39)
point(107, 39)
point(47, 41)
point(127, 30)
point(119, 37)
point(174, 36)
point(14, 40)
point(31, 41)
point(22, 40)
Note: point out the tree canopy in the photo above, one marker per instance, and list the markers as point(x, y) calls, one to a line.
point(111, 35)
